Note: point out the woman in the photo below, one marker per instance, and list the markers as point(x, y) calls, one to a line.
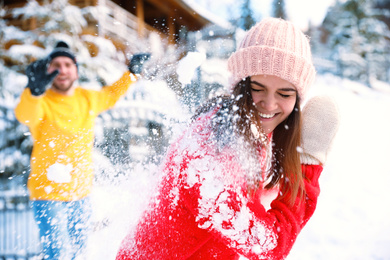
point(240, 152)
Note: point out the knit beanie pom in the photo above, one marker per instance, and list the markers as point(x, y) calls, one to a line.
point(274, 47)
point(62, 44)
point(62, 49)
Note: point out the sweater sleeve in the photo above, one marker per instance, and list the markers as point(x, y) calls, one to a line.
point(109, 95)
point(288, 220)
point(29, 110)
point(245, 226)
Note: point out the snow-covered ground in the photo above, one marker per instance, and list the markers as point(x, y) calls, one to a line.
point(352, 218)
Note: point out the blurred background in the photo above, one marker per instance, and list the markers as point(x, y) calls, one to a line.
point(350, 42)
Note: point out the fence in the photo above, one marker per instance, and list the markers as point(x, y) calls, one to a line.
point(118, 21)
point(19, 235)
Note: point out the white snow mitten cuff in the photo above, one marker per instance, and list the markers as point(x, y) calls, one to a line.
point(320, 122)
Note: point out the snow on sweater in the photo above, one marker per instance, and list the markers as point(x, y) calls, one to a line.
point(202, 209)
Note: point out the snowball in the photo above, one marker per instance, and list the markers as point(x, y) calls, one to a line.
point(59, 173)
point(187, 66)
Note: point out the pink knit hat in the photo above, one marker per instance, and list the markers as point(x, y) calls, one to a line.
point(274, 47)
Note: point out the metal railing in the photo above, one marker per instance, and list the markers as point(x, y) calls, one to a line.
point(19, 235)
point(115, 20)
point(118, 21)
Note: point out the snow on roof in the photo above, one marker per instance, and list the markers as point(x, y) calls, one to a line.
point(207, 14)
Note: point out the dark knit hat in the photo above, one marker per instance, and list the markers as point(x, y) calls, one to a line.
point(62, 49)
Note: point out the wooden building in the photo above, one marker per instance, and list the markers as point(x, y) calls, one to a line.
point(171, 18)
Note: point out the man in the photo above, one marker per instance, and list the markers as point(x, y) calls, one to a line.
point(61, 120)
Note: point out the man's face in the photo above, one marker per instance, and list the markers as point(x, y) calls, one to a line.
point(63, 82)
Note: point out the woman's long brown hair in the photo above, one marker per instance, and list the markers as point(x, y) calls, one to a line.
point(285, 170)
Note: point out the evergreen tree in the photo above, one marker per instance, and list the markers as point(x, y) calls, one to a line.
point(278, 9)
point(359, 40)
point(384, 7)
point(246, 21)
point(54, 16)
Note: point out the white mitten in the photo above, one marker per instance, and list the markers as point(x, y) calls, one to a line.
point(320, 122)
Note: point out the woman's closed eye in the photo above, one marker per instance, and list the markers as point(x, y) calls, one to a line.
point(287, 93)
point(284, 95)
point(256, 89)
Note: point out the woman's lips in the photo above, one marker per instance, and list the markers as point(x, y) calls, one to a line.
point(266, 116)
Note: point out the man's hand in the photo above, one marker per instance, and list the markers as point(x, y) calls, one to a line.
point(38, 79)
point(137, 62)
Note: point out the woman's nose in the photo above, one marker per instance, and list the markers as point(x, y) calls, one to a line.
point(268, 103)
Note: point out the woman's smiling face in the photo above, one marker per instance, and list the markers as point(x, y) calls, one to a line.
point(274, 99)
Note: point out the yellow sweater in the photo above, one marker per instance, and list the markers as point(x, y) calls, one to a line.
point(62, 128)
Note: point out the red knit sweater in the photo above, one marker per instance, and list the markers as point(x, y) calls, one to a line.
point(202, 209)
